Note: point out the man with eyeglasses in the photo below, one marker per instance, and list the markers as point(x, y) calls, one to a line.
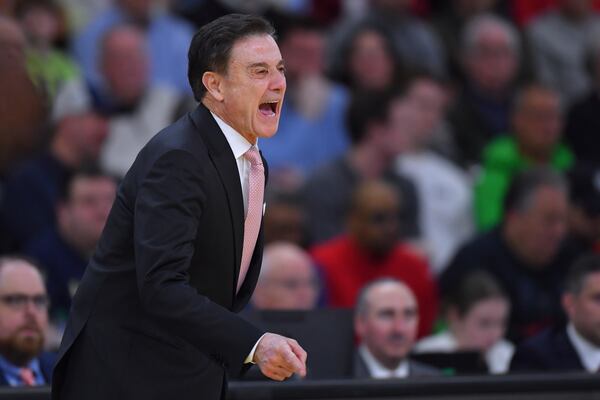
point(23, 325)
point(372, 249)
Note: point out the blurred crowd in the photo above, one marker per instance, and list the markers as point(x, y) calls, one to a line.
point(436, 168)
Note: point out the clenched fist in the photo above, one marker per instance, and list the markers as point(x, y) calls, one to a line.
point(279, 357)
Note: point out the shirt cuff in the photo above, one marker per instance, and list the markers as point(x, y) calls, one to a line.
point(250, 358)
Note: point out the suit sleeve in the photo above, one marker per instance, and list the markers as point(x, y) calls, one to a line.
point(169, 204)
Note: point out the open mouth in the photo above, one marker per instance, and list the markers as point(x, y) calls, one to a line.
point(268, 108)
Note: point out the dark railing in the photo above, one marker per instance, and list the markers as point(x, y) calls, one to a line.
point(509, 387)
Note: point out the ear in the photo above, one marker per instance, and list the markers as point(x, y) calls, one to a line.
point(568, 303)
point(359, 327)
point(212, 82)
point(452, 316)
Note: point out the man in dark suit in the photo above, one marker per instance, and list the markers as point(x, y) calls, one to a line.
point(576, 347)
point(23, 323)
point(153, 317)
point(386, 321)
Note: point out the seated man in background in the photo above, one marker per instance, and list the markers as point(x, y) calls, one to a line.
point(576, 347)
point(64, 251)
point(377, 140)
point(386, 322)
point(287, 280)
point(372, 249)
point(536, 120)
point(477, 316)
point(525, 254)
point(23, 325)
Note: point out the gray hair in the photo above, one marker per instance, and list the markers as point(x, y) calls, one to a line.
point(477, 25)
point(525, 185)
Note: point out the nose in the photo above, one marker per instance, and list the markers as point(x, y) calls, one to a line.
point(278, 82)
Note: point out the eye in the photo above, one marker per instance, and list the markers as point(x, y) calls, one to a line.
point(282, 70)
point(261, 71)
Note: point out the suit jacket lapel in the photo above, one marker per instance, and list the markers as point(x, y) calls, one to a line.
point(220, 153)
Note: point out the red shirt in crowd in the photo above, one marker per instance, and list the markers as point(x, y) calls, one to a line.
point(347, 268)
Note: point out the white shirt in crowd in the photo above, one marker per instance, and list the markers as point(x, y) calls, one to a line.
point(589, 354)
point(445, 197)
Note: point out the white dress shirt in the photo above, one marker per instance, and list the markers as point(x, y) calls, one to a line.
point(239, 146)
point(589, 354)
point(378, 371)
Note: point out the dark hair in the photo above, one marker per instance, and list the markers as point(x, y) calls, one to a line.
point(340, 69)
point(475, 287)
point(525, 185)
point(530, 86)
point(580, 270)
point(288, 24)
point(89, 171)
point(24, 6)
point(211, 45)
point(368, 107)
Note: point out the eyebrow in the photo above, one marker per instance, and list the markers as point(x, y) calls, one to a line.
point(263, 65)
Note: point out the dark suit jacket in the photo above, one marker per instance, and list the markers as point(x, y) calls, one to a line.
point(46, 361)
point(153, 317)
point(550, 350)
point(415, 369)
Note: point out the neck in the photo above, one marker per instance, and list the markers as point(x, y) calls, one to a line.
point(217, 108)
point(61, 149)
point(538, 157)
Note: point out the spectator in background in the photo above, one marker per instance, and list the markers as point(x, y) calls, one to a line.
point(535, 140)
point(49, 67)
point(412, 38)
point(168, 38)
point(582, 131)
point(490, 59)
point(137, 108)
point(367, 59)
point(524, 253)
point(370, 249)
point(32, 190)
point(449, 23)
point(287, 281)
point(311, 131)
point(285, 217)
point(376, 142)
point(477, 316)
point(386, 322)
point(23, 107)
point(444, 192)
point(23, 325)
point(64, 250)
point(559, 40)
point(575, 347)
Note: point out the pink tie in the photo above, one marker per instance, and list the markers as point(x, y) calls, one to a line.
point(27, 377)
point(256, 186)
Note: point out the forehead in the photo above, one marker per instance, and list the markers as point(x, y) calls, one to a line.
point(254, 49)
point(19, 276)
point(391, 296)
point(592, 282)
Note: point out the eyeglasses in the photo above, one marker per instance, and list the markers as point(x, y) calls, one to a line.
point(20, 301)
